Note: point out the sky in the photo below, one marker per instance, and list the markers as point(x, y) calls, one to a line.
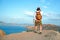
point(22, 11)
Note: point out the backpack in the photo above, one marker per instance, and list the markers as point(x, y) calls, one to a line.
point(38, 16)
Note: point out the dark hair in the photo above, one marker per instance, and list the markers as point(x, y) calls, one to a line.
point(38, 9)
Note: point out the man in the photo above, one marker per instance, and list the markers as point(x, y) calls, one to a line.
point(38, 21)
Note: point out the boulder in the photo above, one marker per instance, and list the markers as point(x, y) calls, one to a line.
point(2, 33)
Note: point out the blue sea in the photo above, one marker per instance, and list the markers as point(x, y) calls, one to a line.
point(12, 29)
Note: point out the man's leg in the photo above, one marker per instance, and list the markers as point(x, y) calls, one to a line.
point(35, 28)
point(40, 31)
point(40, 28)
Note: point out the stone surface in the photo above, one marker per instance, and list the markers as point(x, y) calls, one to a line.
point(46, 35)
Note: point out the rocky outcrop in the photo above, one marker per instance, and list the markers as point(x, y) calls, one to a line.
point(46, 27)
point(2, 33)
point(50, 32)
point(46, 35)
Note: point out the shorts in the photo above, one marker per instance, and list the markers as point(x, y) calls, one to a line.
point(38, 23)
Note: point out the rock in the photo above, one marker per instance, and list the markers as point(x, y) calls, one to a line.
point(30, 28)
point(2, 33)
point(46, 35)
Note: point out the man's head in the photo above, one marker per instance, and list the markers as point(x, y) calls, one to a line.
point(38, 9)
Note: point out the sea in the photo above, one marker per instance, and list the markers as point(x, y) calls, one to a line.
point(13, 29)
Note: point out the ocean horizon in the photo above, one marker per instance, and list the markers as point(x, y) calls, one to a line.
point(12, 29)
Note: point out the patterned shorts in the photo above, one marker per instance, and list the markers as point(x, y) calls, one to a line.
point(38, 23)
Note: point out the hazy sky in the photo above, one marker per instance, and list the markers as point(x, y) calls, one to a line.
point(22, 11)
